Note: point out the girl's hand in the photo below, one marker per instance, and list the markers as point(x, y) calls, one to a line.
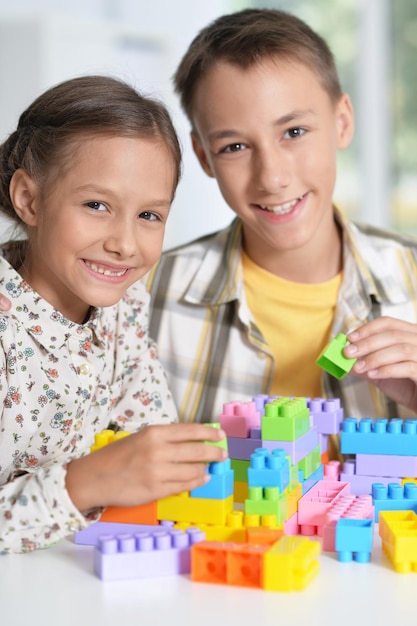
point(386, 349)
point(158, 461)
point(5, 303)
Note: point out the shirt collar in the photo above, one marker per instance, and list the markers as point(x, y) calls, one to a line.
point(31, 310)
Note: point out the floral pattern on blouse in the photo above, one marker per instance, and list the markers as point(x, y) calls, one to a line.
point(60, 383)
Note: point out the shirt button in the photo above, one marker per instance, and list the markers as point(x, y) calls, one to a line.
point(84, 369)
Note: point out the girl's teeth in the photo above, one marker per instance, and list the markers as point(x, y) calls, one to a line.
point(100, 270)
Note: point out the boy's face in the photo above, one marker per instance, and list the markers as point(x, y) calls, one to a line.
point(101, 227)
point(269, 134)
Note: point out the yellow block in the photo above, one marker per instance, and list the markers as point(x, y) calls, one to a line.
point(290, 564)
point(183, 508)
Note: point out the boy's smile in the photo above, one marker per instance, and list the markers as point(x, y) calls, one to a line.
point(101, 226)
point(269, 134)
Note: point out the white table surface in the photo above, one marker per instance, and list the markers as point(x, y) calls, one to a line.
point(57, 586)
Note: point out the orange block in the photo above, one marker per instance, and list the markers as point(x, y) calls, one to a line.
point(141, 514)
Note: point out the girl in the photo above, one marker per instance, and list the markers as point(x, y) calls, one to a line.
point(90, 174)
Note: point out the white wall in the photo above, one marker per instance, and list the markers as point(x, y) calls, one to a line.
point(45, 41)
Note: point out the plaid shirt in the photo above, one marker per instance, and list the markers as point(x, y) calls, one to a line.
point(208, 341)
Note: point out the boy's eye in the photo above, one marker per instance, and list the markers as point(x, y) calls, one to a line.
point(97, 206)
point(148, 215)
point(292, 133)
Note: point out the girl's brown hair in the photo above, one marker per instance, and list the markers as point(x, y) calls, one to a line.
point(49, 129)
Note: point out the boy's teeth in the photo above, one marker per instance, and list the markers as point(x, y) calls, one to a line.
point(281, 209)
point(100, 270)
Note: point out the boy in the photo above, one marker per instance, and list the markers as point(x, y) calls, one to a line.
point(249, 309)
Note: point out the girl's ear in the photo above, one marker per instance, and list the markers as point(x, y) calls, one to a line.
point(24, 194)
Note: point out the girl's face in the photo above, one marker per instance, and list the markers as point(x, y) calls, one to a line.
point(101, 227)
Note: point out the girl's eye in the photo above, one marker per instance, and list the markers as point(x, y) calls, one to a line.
point(234, 147)
point(96, 206)
point(148, 215)
point(293, 133)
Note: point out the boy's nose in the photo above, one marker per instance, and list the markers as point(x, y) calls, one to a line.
point(272, 171)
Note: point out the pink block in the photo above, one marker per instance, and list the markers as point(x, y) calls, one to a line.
point(239, 418)
point(291, 526)
point(348, 507)
point(315, 504)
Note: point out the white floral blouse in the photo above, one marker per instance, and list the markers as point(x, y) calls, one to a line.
point(60, 383)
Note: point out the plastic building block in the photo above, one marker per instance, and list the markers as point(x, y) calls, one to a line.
point(312, 480)
point(382, 436)
point(398, 532)
point(332, 359)
point(142, 514)
point(220, 485)
point(291, 564)
point(315, 504)
point(240, 491)
point(326, 415)
point(227, 563)
point(266, 501)
point(107, 436)
point(183, 508)
point(89, 536)
point(269, 469)
point(309, 464)
point(386, 465)
point(349, 507)
point(238, 418)
point(219, 444)
point(242, 449)
point(332, 470)
point(360, 484)
point(285, 419)
point(353, 540)
point(145, 554)
point(394, 497)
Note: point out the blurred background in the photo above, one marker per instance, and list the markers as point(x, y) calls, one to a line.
point(43, 42)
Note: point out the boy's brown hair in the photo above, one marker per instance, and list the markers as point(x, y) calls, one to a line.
point(247, 37)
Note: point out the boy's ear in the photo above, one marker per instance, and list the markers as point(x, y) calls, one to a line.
point(201, 154)
point(345, 120)
point(23, 194)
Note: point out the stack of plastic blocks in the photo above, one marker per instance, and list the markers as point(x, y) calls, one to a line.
point(145, 554)
point(209, 504)
point(398, 532)
point(289, 564)
point(385, 452)
point(268, 479)
point(394, 497)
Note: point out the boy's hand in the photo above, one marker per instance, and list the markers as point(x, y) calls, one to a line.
point(386, 349)
point(158, 461)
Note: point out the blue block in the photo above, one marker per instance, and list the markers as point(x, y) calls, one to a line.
point(394, 497)
point(269, 469)
point(381, 436)
point(353, 539)
point(311, 480)
point(220, 485)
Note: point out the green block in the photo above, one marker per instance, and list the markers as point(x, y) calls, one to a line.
point(240, 468)
point(285, 419)
point(219, 444)
point(266, 501)
point(333, 360)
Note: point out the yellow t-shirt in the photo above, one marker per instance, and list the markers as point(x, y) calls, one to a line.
point(296, 321)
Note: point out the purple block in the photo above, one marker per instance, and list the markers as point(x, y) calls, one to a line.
point(153, 554)
point(362, 485)
point(327, 415)
point(90, 535)
point(297, 449)
point(386, 465)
